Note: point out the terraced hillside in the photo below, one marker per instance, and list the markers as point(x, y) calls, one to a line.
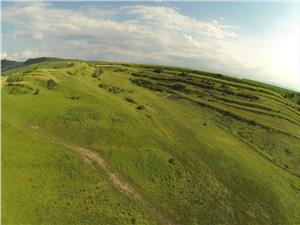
point(86, 142)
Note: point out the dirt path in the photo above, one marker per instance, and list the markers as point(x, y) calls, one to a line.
point(119, 183)
point(97, 162)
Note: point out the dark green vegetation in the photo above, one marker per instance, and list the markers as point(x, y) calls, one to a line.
point(112, 143)
point(50, 84)
point(9, 64)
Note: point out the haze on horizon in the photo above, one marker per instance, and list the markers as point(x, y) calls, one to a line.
point(258, 41)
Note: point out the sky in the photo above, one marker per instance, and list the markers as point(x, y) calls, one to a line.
point(254, 40)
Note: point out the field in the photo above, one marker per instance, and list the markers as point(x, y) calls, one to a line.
point(91, 142)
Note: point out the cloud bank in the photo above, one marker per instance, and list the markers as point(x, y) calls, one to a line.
point(135, 33)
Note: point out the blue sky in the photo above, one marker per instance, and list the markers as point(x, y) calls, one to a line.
point(257, 40)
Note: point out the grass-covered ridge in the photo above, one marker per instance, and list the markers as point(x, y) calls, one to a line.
point(91, 142)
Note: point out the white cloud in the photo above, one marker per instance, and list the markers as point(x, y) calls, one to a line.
point(172, 19)
point(152, 35)
point(24, 54)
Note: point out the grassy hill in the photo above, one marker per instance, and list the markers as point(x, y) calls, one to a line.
point(86, 142)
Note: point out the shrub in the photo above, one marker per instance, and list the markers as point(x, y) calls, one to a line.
point(75, 97)
point(289, 95)
point(288, 152)
point(133, 220)
point(158, 70)
point(97, 72)
point(227, 91)
point(14, 78)
point(35, 67)
point(142, 82)
point(114, 90)
point(51, 84)
point(252, 122)
point(177, 87)
point(36, 92)
point(184, 74)
point(253, 97)
point(172, 161)
point(119, 70)
point(140, 107)
point(28, 71)
point(70, 72)
point(147, 84)
point(128, 99)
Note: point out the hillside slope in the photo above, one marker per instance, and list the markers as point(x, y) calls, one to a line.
point(111, 143)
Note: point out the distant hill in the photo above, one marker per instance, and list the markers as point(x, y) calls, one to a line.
point(10, 64)
point(40, 59)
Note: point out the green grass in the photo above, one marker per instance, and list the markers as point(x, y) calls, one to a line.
point(195, 149)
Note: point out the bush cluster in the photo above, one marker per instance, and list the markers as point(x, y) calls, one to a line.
point(97, 72)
